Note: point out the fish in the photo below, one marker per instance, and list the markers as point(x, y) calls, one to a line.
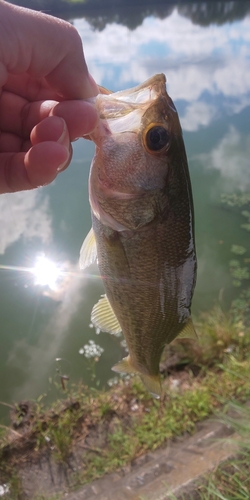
point(142, 233)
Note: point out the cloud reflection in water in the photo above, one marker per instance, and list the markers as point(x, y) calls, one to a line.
point(231, 158)
point(24, 214)
point(197, 61)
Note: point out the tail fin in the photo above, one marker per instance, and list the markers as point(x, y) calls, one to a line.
point(151, 382)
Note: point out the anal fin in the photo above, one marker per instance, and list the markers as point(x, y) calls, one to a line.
point(124, 366)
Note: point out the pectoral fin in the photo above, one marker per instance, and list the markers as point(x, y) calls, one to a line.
point(188, 331)
point(88, 253)
point(103, 317)
point(151, 382)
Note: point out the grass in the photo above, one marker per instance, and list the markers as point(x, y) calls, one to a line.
point(231, 480)
point(108, 430)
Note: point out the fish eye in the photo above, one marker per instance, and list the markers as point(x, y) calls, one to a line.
point(157, 138)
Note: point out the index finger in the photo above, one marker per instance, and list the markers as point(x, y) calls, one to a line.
point(43, 47)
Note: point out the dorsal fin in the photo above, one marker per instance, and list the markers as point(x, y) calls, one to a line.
point(103, 317)
point(188, 331)
point(88, 253)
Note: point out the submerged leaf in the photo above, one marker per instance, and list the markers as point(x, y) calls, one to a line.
point(234, 263)
point(240, 273)
point(238, 249)
point(246, 214)
point(245, 226)
point(236, 283)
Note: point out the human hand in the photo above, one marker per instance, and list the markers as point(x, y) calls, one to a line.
point(43, 77)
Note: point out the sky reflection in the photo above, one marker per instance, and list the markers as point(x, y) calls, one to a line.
point(198, 61)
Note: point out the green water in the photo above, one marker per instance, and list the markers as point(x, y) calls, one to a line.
point(208, 72)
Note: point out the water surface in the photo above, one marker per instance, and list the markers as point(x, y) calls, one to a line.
point(205, 55)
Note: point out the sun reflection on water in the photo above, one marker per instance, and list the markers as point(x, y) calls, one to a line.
point(51, 277)
point(46, 272)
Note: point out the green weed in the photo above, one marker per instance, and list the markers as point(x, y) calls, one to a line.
point(219, 334)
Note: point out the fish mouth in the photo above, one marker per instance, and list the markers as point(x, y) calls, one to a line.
point(119, 104)
point(122, 111)
point(147, 91)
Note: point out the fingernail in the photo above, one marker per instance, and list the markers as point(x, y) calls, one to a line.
point(91, 88)
point(65, 162)
point(61, 139)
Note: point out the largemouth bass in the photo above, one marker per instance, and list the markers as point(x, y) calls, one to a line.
point(143, 225)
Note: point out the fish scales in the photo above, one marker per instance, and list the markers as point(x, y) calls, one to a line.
point(143, 225)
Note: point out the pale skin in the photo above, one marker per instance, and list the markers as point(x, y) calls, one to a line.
point(43, 81)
